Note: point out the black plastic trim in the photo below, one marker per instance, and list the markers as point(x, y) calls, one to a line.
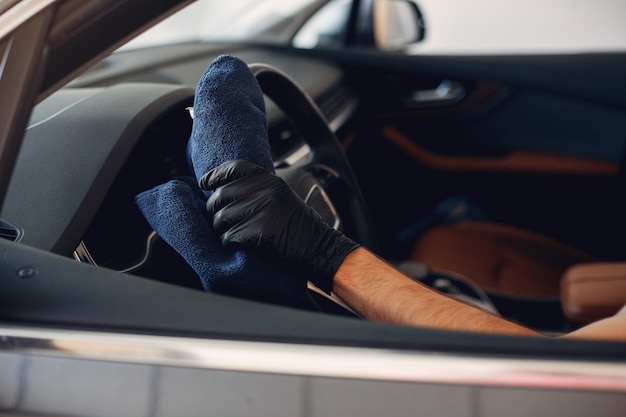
point(59, 292)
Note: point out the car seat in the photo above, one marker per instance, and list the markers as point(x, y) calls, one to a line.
point(509, 261)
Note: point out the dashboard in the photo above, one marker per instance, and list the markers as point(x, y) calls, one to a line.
point(89, 150)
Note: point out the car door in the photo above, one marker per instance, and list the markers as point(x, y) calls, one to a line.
point(81, 340)
point(512, 109)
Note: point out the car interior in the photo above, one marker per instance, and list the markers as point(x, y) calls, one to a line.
point(498, 174)
point(505, 193)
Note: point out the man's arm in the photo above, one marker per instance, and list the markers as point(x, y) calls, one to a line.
point(610, 329)
point(380, 292)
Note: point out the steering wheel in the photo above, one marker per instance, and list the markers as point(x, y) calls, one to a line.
point(324, 177)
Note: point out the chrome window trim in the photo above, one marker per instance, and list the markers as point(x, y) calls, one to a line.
point(319, 361)
point(20, 12)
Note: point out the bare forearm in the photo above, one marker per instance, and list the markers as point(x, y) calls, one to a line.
point(380, 292)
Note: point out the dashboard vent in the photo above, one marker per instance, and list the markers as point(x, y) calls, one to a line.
point(8, 231)
point(337, 104)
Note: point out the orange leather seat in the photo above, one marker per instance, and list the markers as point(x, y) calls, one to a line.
point(590, 292)
point(499, 258)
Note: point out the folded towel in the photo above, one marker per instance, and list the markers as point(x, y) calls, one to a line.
point(229, 123)
point(229, 118)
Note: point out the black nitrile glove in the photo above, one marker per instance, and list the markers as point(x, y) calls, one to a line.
point(252, 207)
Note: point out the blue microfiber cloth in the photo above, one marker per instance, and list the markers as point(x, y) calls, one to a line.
point(229, 123)
point(229, 118)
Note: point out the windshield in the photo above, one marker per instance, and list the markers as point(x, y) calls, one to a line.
point(522, 26)
point(452, 26)
point(223, 20)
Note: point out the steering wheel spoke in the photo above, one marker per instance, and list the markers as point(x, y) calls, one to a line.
point(323, 176)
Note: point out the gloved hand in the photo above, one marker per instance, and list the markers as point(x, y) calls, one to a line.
point(254, 208)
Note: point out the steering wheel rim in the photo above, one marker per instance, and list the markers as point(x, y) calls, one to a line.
point(326, 149)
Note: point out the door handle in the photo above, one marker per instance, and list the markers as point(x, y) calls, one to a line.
point(446, 93)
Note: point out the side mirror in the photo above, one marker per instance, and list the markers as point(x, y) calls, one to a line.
point(397, 23)
point(388, 25)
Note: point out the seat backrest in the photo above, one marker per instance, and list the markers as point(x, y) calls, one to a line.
point(593, 291)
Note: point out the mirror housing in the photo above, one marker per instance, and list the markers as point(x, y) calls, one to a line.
point(388, 25)
point(397, 23)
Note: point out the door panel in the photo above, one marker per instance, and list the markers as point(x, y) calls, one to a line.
point(536, 142)
point(513, 161)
